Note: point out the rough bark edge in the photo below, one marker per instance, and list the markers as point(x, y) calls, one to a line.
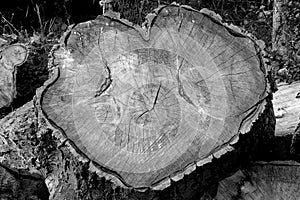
point(145, 32)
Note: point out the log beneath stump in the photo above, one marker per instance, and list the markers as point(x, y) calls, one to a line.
point(150, 105)
point(11, 56)
point(263, 181)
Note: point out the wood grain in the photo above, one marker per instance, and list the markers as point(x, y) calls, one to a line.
point(146, 104)
point(286, 103)
point(263, 181)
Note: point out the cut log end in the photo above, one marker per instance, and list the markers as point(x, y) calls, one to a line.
point(10, 57)
point(287, 108)
point(150, 109)
point(262, 181)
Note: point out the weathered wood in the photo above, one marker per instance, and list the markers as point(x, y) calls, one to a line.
point(279, 33)
point(287, 108)
point(263, 181)
point(11, 56)
point(150, 105)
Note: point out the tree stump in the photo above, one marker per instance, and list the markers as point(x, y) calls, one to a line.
point(11, 56)
point(148, 105)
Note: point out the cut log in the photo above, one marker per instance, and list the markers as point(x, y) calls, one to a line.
point(263, 181)
point(287, 108)
point(10, 57)
point(149, 105)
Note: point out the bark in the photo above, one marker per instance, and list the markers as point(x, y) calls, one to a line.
point(15, 185)
point(279, 34)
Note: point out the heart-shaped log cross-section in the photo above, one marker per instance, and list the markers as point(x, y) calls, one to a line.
point(10, 57)
point(149, 105)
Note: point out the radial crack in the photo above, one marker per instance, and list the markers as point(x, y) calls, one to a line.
point(107, 82)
